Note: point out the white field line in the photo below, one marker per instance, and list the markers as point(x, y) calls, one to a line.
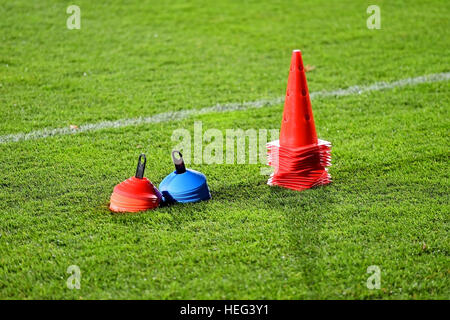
point(220, 108)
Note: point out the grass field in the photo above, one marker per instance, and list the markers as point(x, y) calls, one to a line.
point(388, 204)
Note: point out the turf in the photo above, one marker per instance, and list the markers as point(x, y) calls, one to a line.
point(388, 204)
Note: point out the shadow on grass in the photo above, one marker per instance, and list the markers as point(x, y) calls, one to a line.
point(304, 223)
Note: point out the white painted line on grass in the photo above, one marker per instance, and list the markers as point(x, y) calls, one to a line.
point(220, 108)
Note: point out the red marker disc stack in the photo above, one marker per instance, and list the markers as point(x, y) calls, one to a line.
point(136, 193)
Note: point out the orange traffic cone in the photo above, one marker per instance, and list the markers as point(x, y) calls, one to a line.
point(298, 128)
point(298, 157)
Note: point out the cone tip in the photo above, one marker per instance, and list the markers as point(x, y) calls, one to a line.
point(296, 50)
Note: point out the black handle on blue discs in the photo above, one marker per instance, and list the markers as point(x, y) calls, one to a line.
point(179, 163)
point(141, 166)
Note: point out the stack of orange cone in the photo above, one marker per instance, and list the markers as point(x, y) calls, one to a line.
point(299, 159)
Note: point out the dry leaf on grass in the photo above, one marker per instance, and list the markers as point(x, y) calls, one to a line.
point(73, 127)
point(309, 68)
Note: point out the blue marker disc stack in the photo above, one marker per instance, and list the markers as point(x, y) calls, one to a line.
point(184, 185)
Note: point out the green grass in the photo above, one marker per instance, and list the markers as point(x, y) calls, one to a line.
point(388, 204)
